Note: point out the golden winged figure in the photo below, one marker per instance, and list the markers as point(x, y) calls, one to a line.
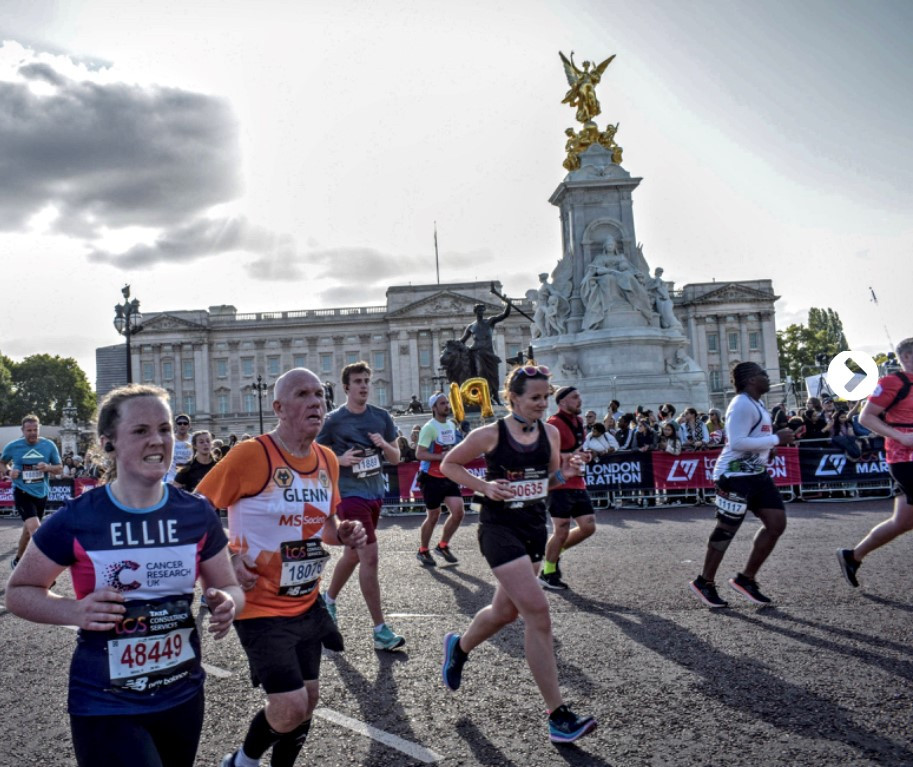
point(583, 84)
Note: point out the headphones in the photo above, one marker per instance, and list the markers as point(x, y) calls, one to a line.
point(109, 447)
point(526, 427)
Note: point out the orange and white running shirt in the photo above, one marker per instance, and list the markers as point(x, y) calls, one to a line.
point(277, 506)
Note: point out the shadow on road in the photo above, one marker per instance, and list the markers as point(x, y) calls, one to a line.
point(744, 684)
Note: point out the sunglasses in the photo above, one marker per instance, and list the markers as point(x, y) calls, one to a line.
point(183, 423)
point(534, 370)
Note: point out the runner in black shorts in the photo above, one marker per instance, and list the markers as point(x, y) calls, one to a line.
point(31, 461)
point(438, 436)
point(571, 499)
point(889, 412)
point(742, 483)
point(523, 458)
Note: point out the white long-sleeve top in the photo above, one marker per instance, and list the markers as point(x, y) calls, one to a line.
point(749, 438)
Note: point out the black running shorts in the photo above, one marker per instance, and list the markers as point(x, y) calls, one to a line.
point(759, 490)
point(501, 544)
point(28, 505)
point(564, 504)
point(903, 476)
point(284, 652)
point(436, 489)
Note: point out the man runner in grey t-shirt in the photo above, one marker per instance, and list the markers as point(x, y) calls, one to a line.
point(362, 436)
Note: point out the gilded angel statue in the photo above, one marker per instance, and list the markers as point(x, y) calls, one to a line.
point(583, 84)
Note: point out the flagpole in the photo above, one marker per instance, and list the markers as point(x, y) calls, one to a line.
point(437, 263)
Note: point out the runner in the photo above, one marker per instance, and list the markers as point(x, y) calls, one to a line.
point(200, 465)
point(570, 499)
point(742, 483)
point(362, 436)
point(523, 458)
point(438, 436)
point(280, 490)
point(134, 547)
point(31, 460)
point(889, 412)
point(183, 447)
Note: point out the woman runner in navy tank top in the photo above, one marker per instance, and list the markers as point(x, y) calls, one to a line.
point(523, 458)
point(134, 548)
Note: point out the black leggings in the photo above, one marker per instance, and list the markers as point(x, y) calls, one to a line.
point(164, 739)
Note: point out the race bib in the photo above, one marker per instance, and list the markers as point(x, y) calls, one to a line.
point(730, 506)
point(302, 565)
point(368, 466)
point(447, 438)
point(153, 647)
point(530, 487)
point(30, 474)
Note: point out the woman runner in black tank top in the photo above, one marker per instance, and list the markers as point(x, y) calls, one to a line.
point(523, 458)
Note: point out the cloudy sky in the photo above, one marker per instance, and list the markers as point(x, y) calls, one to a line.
point(288, 155)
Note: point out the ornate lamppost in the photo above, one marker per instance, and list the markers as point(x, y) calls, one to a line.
point(128, 322)
point(261, 389)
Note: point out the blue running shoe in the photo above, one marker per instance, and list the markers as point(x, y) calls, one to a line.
point(386, 639)
point(564, 726)
point(454, 658)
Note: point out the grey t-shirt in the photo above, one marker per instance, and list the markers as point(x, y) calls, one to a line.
point(344, 429)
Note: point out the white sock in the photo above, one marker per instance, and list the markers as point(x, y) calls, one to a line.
point(379, 626)
point(243, 760)
point(328, 599)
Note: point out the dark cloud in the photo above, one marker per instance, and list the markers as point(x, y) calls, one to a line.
point(199, 238)
point(112, 155)
point(369, 266)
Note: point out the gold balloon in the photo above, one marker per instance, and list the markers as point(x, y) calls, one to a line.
point(456, 402)
point(475, 391)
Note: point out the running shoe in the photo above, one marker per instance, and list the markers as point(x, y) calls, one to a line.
point(706, 591)
point(564, 726)
point(228, 760)
point(849, 566)
point(425, 558)
point(331, 609)
point(748, 588)
point(446, 553)
point(452, 668)
point(13, 562)
point(558, 568)
point(552, 581)
point(385, 639)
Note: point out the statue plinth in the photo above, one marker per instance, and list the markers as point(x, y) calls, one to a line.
point(602, 323)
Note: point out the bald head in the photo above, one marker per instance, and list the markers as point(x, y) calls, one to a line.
point(299, 404)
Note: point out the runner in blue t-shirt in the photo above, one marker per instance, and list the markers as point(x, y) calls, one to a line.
point(363, 437)
point(31, 460)
point(135, 548)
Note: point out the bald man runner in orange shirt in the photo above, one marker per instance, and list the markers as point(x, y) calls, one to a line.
point(281, 493)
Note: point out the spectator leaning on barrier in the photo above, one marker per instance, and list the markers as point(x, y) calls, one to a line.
point(644, 436)
point(599, 442)
point(694, 434)
point(624, 435)
point(715, 427)
point(669, 441)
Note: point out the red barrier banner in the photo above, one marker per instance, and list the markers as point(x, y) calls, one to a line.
point(83, 485)
point(690, 471)
point(407, 474)
point(6, 494)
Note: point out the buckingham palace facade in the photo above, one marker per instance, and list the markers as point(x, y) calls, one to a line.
point(218, 363)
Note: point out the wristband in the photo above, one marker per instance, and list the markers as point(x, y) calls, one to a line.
point(560, 479)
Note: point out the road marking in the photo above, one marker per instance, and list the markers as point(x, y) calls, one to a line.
point(414, 615)
point(413, 750)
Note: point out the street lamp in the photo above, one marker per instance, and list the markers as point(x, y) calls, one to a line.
point(261, 389)
point(128, 322)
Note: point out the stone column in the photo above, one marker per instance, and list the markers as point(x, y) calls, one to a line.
point(724, 345)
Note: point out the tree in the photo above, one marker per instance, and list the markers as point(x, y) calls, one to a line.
point(803, 350)
point(42, 384)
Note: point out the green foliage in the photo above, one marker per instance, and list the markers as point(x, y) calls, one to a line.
point(799, 346)
point(42, 384)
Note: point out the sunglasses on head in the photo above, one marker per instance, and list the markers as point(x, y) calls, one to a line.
point(534, 370)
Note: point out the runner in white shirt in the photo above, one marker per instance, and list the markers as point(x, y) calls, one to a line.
point(742, 483)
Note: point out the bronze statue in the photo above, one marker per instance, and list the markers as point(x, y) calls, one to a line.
point(583, 84)
point(482, 358)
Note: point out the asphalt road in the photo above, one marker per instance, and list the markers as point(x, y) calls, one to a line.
point(822, 678)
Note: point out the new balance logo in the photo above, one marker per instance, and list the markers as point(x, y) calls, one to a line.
point(682, 469)
point(830, 466)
